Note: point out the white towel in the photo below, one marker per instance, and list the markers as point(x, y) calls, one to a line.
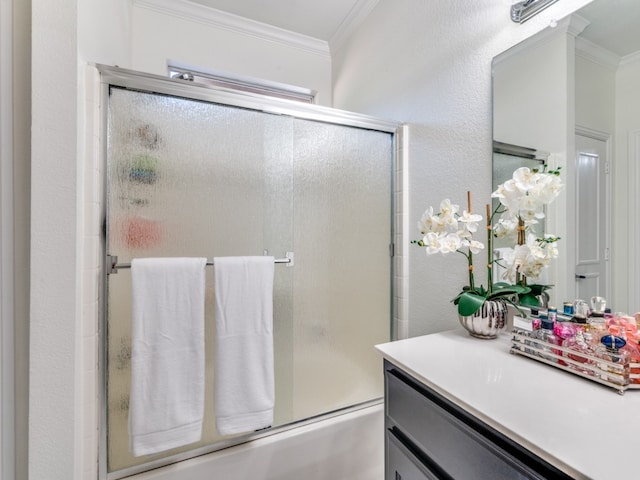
point(243, 372)
point(166, 405)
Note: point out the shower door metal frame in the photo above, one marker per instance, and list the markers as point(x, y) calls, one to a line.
point(156, 84)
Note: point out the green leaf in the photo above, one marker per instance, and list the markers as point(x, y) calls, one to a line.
point(529, 300)
point(537, 289)
point(506, 289)
point(469, 303)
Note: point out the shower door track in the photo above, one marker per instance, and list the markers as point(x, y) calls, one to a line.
point(147, 82)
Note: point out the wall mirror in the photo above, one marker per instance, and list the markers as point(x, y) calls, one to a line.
point(568, 96)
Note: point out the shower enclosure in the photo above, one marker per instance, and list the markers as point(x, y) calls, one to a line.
point(196, 171)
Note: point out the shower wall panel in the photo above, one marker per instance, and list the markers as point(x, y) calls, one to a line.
point(193, 178)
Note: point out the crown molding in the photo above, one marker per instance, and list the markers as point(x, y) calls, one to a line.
point(597, 54)
point(576, 25)
point(563, 27)
point(631, 59)
point(194, 12)
point(572, 26)
point(589, 50)
point(350, 24)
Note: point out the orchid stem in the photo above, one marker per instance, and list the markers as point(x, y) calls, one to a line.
point(470, 256)
point(489, 252)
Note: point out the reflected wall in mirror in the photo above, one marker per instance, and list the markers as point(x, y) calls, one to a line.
point(572, 93)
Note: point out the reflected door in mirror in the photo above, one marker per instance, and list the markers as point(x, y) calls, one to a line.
point(592, 207)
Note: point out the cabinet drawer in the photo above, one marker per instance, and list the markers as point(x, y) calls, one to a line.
point(455, 444)
point(402, 464)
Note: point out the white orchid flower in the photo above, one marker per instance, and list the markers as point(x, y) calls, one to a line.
point(509, 264)
point(475, 246)
point(505, 227)
point(432, 241)
point(448, 213)
point(450, 243)
point(470, 221)
point(525, 179)
point(430, 222)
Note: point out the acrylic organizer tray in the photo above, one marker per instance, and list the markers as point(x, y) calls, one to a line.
point(615, 371)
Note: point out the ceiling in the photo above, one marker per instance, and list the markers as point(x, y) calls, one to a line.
point(316, 19)
point(615, 25)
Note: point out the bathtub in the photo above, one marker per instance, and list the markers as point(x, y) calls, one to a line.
point(348, 446)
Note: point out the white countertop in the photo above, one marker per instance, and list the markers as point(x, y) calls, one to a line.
point(585, 429)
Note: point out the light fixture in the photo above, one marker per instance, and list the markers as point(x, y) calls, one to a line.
point(524, 10)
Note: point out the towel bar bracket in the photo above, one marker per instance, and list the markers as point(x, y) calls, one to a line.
point(290, 257)
point(112, 265)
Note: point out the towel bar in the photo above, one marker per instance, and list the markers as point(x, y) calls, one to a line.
point(113, 265)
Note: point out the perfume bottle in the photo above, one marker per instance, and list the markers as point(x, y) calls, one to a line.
point(597, 326)
point(579, 347)
point(580, 310)
point(614, 364)
point(634, 357)
point(565, 332)
point(548, 338)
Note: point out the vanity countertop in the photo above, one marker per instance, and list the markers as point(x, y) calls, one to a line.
point(585, 429)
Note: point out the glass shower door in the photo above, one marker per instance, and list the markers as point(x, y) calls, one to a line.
point(193, 178)
point(342, 218)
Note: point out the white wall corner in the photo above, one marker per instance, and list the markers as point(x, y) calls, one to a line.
point(92, 259)
point(223, 20)
point(350, 24)
point(401, 212)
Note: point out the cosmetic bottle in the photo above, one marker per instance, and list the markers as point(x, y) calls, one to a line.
point(615, 367)
point(565, 333)
point(597, 327)
point(580, 311)
point(567, 309)
point(548, 338)
point(634, 355)
point(579, 345)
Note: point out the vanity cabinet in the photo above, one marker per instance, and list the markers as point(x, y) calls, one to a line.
point(429, 437)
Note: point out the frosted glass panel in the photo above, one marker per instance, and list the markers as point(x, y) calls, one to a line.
point(191, 178)
point(341, 237)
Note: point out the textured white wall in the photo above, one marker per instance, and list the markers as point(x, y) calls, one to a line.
point(429, 64)
point(63, 412)
point(55, 353)
point(163, 35)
